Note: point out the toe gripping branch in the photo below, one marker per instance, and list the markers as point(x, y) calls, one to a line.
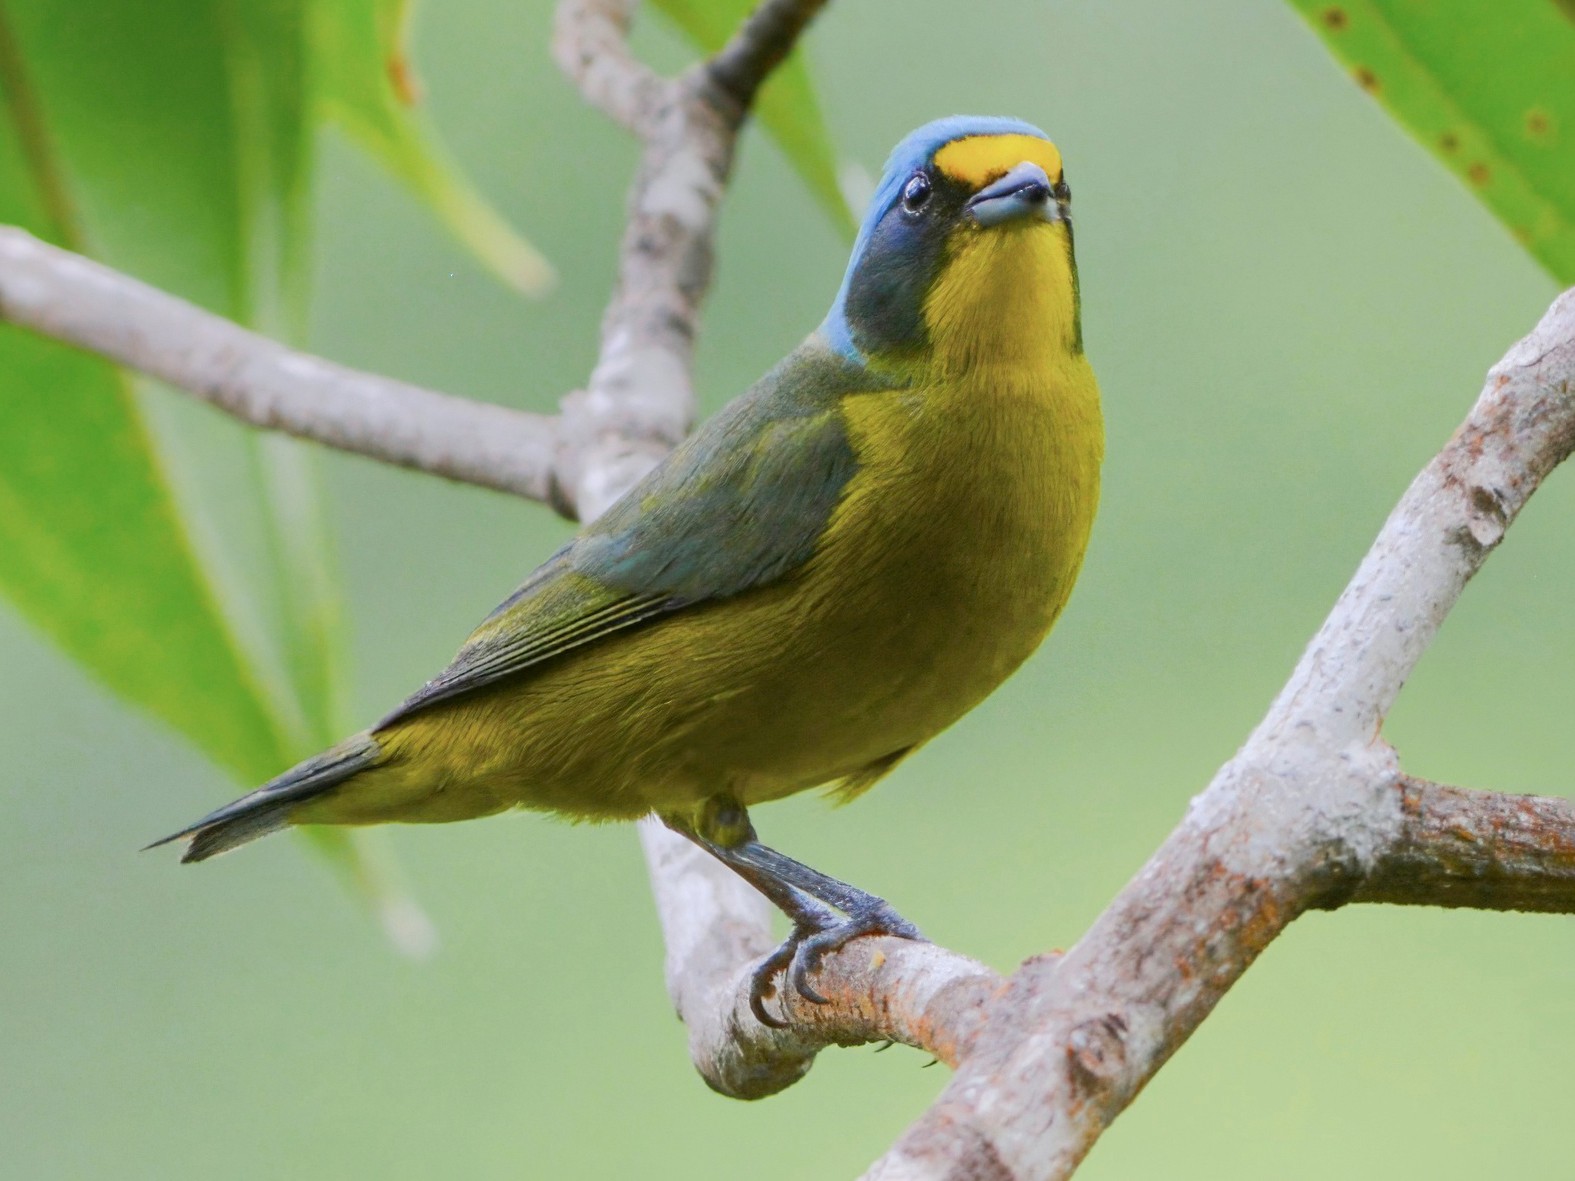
point(811, 899)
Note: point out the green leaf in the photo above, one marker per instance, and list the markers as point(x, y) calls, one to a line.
point(308, 587)
point(269, 133)
point(187, 163)
point(1491, 95)
point(365, 80)
point(787, 105)
point(91, 545)
point(92, 551)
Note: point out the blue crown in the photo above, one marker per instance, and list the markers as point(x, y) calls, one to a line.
point(914, 152)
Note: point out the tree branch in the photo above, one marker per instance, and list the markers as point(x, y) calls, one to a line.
point(635, 407)
point(1309, 809)
point(259, 381)
point(760, 45)
point(1476, 848)
point(590, 43)
point(639, 400)
point(716, 929)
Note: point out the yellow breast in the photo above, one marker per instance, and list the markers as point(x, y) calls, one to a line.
point(968, 521)
point(953, 549)
point(962, 535)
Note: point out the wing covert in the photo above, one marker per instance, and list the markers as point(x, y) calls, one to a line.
point(739, 504)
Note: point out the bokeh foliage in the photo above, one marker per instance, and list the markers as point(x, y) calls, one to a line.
point(1268, 272)
point(176, 140)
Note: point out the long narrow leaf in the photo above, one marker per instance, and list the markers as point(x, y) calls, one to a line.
point(91, 545)
point(188, 162)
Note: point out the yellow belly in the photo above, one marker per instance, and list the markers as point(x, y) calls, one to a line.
point(949, 557)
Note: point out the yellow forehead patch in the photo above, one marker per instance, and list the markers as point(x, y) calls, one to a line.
point(976, 160)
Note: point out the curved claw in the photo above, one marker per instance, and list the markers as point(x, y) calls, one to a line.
point(760, 983)
point(808, 897)
point(805, 962)
point(801, 954)
point(811, 919)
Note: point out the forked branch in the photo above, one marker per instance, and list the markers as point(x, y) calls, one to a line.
point(1310, 812)
point(1483, 849)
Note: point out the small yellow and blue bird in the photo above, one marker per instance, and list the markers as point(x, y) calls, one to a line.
point(831, 571)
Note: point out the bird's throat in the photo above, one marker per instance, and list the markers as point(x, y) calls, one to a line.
point(1006, 298)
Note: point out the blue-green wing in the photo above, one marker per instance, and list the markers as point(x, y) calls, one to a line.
point(739, 504)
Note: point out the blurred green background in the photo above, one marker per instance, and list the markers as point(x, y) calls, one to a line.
point(1290, 306)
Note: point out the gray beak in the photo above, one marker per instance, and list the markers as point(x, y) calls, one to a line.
point(1024, 192)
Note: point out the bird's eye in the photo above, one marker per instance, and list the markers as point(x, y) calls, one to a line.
point(916, 193)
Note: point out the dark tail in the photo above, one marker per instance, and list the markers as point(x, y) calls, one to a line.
point(268, 808)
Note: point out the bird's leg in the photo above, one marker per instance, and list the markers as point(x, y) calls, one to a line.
point(867, 914)
point(722, 828)
point(710, 832)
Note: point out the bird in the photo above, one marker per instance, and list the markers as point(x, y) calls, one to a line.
point(829, 572)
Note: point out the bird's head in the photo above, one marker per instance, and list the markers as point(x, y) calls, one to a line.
point(965, 255)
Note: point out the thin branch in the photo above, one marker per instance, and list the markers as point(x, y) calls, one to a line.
point(879, 989)
point(1305, 812)
point(83, 303)
point(637, 404)
point(590, 43)
point(635, 407)
point(760, 45)
point(1477, 848)
point(639, 400)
